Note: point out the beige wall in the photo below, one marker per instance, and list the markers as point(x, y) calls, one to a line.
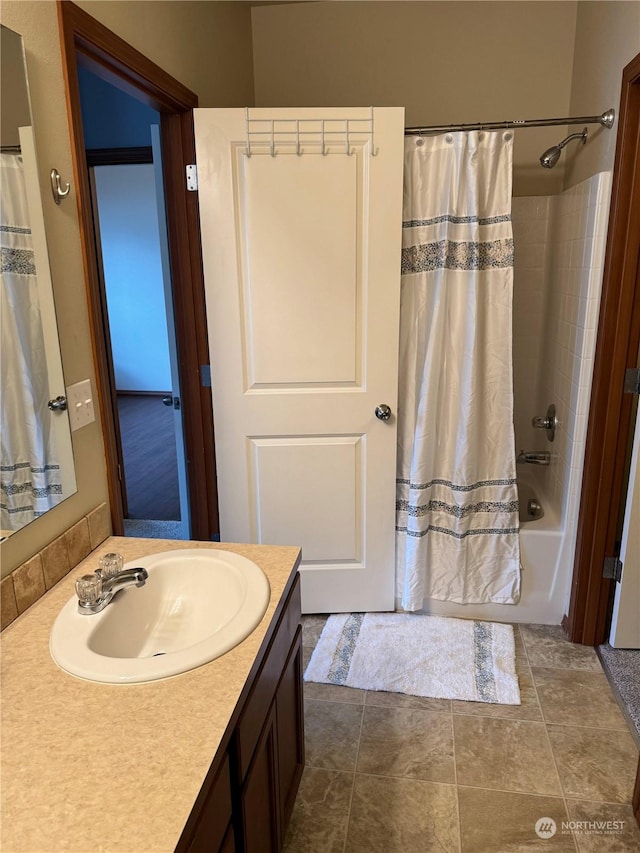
point(207, 46)
point(443, 61)
point(607, 38)
point(204, 45)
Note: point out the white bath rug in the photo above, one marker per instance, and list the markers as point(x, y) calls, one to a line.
point(419, 655)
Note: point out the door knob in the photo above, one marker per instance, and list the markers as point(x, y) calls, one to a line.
point(383, 412)
point(171, 401)
point(58, 405)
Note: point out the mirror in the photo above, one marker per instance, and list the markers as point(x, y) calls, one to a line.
point(36, 455)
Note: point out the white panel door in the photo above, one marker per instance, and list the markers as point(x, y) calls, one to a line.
point(301, 232)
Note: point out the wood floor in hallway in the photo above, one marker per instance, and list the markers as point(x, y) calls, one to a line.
point(150, 459)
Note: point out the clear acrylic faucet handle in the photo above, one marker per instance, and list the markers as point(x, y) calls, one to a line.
point(110, 565)
point(89, 589)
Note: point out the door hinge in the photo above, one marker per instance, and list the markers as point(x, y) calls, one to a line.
point(612, 568)
point(120, 473)
point(192, 177)
point(205, 375)
point(632, 380)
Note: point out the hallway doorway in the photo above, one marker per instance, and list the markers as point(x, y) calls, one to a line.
point(88, 45)
point(122, 146)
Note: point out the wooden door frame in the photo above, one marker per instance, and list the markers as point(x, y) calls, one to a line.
point(588, 619)
point(87, 42)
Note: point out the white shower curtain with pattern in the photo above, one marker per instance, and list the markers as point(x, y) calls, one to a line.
point(457, 501)
point(30, 473)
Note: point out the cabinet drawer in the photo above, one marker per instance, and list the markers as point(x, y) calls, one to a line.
point(261, 697)
point(215, 815)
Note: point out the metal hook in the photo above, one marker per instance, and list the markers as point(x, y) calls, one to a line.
point(56, 189)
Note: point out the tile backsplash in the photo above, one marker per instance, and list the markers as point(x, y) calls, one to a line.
point(32, 579)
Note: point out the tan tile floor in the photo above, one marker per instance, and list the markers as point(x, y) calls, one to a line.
point(386, 772)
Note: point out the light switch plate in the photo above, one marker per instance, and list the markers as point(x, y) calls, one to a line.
point(80, 404)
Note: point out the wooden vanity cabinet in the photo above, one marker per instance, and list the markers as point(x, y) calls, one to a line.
point(246, 801)
point(214, 830)
point(270, 786)
point(290, 729)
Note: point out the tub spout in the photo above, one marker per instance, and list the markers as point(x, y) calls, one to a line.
point(534, 457)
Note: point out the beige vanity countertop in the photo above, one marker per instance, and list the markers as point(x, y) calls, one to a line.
point(95, 768)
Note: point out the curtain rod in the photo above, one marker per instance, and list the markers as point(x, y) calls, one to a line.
point(606, 120)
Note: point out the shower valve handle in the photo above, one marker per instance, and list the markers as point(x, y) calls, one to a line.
point(548, 423)
point(383, 412)
point(541, 423)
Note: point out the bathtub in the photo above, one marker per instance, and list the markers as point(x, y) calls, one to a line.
point(547, 565)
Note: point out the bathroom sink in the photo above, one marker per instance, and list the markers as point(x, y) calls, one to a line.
point(196, 605)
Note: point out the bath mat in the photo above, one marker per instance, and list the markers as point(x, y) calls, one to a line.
point(420, 655)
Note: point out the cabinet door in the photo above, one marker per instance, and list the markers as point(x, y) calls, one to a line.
point(290, 726)
point(214, 815)
point(260, 803)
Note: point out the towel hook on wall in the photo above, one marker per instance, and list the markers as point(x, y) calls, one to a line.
point(56, 188)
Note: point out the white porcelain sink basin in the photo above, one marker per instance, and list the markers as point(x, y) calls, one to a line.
point(196, 604)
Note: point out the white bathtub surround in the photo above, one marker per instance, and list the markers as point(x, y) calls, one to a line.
point(570, 248)
point(577, 246)
point(559, 255)
point(456, 499)
point(418, 655)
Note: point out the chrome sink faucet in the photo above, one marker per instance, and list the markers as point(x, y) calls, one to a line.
point(97, 590)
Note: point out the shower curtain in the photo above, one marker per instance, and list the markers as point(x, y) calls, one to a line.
point(30, 481)
point(456, 500)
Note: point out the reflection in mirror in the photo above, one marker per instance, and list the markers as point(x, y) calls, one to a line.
point(36, 461)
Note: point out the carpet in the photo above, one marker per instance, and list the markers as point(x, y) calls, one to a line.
point(420, 655)
point(622, 667)
point(143, 529)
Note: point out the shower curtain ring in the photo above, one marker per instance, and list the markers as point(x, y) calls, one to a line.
point(56, 188)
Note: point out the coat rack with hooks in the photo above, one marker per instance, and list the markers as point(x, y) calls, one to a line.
point(300, 136)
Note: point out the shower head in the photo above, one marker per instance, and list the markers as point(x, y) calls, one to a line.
point(552, 155)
